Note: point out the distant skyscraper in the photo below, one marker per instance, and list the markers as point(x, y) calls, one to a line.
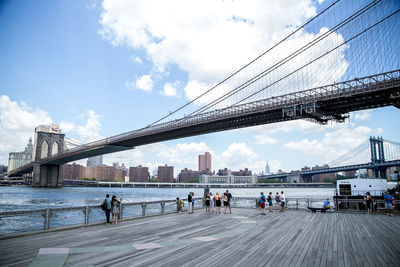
point(18, 159)
point(205, 162)
point(95, 161)
point(267, 169)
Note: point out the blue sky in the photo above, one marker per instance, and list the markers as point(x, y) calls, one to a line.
point(102, 68)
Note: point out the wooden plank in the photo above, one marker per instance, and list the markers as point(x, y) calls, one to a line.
point(292, 238)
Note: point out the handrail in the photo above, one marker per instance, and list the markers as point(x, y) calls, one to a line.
point(237, 202)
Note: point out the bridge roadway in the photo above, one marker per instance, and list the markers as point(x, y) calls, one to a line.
point(243, 238)
point(321, 104)
point(369, 165)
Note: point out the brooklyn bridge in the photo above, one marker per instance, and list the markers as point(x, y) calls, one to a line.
point(351, 64)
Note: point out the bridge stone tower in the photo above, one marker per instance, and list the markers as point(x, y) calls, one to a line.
point(48, 141)
point(377, 156)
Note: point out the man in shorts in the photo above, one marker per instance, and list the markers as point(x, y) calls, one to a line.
point(388, 203)
point(262, 203)
point(282, 200)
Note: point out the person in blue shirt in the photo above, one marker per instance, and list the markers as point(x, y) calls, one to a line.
point(389, 203)
point(327, 204)
point(262, 203)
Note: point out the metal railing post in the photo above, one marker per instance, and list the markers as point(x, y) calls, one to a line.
point(144, 209)
point(297, 203)
point(308, 202)
point(86, 213)
point(162, 203)
point(121, 208)
point(49, 214)
point(44, 214)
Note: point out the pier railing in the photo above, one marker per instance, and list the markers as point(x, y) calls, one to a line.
point(12, 222)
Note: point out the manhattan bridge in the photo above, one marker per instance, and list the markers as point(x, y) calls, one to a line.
point(344, 59)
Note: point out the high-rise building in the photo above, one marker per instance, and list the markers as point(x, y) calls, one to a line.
point(95, 161)
point(165, 174)
point(267, 169)
point(18, 159)
point(138, 174)
point(205, 162)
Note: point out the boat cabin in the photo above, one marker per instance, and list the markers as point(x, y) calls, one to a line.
point(359, 186)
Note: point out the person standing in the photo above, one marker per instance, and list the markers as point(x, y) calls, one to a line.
point(190, 202)
point(262, 203)
point(269, 198)
point(217, 203)
point(389, 203)
point(212, 202)
point(115, 204)
point(208, 203)
point(369, 201)
point(107, 209)
point(277, 200)
point(282, 200)
point(229, 197)
point(225, 199)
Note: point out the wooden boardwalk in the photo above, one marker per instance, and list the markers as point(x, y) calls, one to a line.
point(243, 238)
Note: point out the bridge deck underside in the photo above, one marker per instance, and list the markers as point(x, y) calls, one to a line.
point(331, 109)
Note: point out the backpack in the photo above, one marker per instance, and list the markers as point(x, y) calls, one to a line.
point(263, 199)
point(103, 205)
point(269, 198)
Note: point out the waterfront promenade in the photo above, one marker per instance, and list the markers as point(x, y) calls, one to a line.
point(243, 238)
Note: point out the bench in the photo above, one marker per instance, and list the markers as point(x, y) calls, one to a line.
point(323, 210)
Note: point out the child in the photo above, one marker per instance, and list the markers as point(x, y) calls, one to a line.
point(179, 204)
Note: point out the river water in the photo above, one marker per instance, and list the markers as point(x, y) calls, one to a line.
point(28, 198)
point(23, 198)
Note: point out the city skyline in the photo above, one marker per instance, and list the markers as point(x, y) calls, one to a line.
point(67, 63)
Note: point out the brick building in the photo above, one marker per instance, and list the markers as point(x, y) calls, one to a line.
point(165, 174)
point(138, 174)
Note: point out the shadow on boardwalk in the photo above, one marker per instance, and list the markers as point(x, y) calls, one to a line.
point(243, 238)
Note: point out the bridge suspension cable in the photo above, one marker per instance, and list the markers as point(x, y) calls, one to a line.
point(345, 26)
point(286, 60)
point(359, 154)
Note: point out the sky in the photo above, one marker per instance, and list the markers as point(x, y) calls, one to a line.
point(101, 68)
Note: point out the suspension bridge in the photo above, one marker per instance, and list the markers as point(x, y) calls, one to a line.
point(375, 154)
point(342, 60)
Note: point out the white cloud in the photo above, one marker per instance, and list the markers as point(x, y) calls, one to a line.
point(138, 60)
point(91, 130)
point(238, 156)
point(17, 124)
point(361, 115)
point(334, 143)
point(170, 89)
point(145, 83)
point(67, 127)
point(263, 139)
point(211, 39)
